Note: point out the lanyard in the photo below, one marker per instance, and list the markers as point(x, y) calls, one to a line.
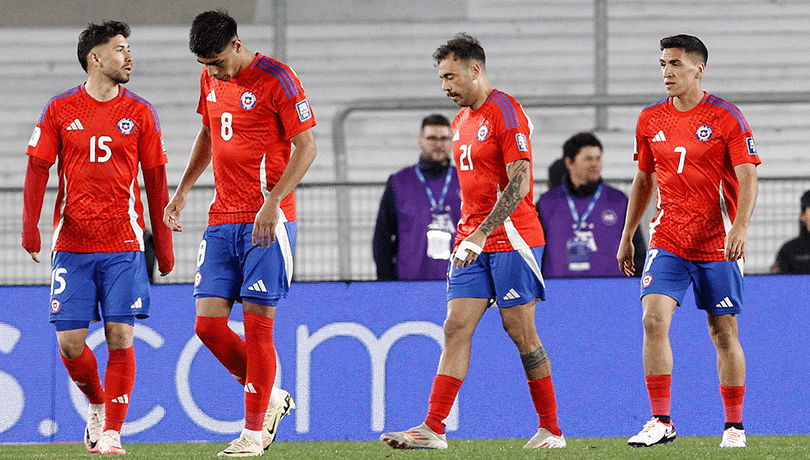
point(580, 222)
point(434, 206)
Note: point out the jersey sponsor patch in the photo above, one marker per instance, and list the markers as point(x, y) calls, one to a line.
point(522, 144)
point(125, 125)
point(304, 112)
point(35, 137)
point(248, 100)
point(704, 133)
point(483, 133)
point(752, 149)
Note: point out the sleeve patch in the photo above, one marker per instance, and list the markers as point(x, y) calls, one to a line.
point(522, 143)
point(752, 149)
point(35, 137)
point(304, 112)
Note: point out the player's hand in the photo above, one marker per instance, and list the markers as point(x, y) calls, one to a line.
point(35, 256)
point(171, 213)
point(264, 227)
point(625, 255)
point(469, 250)
point(735, 244)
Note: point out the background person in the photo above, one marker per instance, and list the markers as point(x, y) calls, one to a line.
point(583, 217)
point(416, 223)
point(794, 256)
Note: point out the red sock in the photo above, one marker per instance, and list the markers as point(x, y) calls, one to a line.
point(224, 343)
point(545, 403)
point(83, 370)
point(658, 387)
point(442, 397)
point(261, 368)
point(119, 379)
point(733, 402)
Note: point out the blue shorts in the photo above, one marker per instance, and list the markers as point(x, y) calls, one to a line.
point(81, 282)
point(231, 267)
point(506, 278)
point(718, 286)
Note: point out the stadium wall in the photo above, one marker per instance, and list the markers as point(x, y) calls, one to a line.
point(359, 358)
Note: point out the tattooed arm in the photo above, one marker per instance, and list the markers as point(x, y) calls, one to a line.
point(516, 189)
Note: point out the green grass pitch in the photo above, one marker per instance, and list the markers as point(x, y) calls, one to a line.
point(759, 447)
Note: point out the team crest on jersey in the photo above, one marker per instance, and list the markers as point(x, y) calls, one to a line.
point(704, 133)
point(523, 145)
point(56, 305)
point(304, 112)
point(609, 217)
point(752, 149)
point(125, 125)
point(248, 100)
point(483, 133)
point(646, 280)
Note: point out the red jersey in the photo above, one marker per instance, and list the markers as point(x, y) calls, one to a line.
point(98, 145)
point(694, 154)
point(484, 141)
point(252, 118)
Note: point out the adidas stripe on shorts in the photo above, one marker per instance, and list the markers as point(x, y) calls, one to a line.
point(509, 278)
point(718, 286)
point(89, 286)
point(229, 266)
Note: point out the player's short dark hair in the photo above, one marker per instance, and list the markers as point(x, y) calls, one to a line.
point(98, 34)
point(572, 146)
point(464, 47)
point(692, 45)
point(436, 119)
point(211, 32)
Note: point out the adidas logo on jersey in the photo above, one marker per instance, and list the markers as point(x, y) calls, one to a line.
point(249, 388)
point(659, 137)
point(212, 96)
point(121, 399)
point(75, 125)
point(258, 286)
point(138, 304)
point(725, 303)
point(511, 295)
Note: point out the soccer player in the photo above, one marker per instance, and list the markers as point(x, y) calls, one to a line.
point(253, 111)
point(700, 152)
point(99, 132)
point(498, 247)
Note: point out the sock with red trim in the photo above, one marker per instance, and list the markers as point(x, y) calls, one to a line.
point(261, 368)
point(658, 387)
point(442, 396)
point(83, 370)
point(545, 403)
point(733, 405)
point(119, 380)
point(224, 343)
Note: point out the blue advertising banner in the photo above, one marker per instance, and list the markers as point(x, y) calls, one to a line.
point(359, 359)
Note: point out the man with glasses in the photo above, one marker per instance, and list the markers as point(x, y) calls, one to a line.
point(416, 224)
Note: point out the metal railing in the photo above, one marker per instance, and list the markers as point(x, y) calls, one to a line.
point(323, 253)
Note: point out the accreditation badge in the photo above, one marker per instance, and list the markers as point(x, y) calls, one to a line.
point(439, 237)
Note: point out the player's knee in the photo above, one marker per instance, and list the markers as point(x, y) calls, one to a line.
point(455, 329)
point(724, 339)
point(71, 349)
point(209, 329)
point(655, 324)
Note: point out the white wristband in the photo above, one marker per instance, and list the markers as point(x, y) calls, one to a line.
point(467, 246)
